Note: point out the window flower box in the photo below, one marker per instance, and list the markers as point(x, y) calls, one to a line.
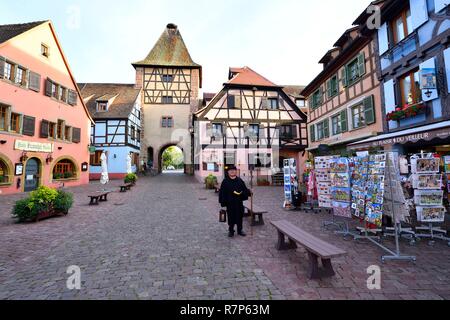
point(408, 111)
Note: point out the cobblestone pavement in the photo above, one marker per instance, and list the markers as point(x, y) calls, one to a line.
point(163, 241)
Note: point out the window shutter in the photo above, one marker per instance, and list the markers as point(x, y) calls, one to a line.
point(312, 133)
point(34, 81)
point(76, 135)
point(369, 111)
point(320, 96)
point(383, 39)
point(44, 129)
point(29, 126)
point(72, 100)
point(389, 95)
point(362, 64)
point(48, 88)
point(440, 4)
point(329, 90)
point(2, 67)
point(230, 101)
point(419, 12)
point(344, 77)
point(447, 66)
point(326, 128)
point(344, 124)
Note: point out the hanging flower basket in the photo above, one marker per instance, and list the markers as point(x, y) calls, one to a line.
point(408, 111)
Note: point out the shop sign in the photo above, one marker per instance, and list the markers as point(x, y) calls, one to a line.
point(33, 146)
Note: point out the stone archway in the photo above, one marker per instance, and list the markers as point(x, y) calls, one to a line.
point(160, 155)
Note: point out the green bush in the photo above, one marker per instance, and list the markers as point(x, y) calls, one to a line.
point(21, 210)
point(63, 202)
point(210, 181)
point(131, 178)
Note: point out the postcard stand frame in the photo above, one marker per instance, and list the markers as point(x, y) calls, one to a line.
point(433, 232)
point(393, 255)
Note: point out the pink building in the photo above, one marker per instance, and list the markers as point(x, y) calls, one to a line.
point(44, 124)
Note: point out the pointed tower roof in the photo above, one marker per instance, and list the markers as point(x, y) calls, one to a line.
point(169, 51)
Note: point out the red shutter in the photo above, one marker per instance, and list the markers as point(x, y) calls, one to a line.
point(44, 129)
point(29, 126)
point(76, 135)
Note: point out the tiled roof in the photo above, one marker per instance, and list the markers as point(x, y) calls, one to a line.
point(293, 91)
point(123, 103)
point(247, 76)
point(170, 50)
point(9, 31)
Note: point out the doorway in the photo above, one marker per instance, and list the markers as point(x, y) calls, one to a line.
point(32, 174)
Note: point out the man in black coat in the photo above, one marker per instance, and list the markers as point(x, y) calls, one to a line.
point(232, 195)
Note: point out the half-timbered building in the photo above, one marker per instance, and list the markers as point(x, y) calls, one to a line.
point(170, 81)
point(250, 123)
point(116, 110)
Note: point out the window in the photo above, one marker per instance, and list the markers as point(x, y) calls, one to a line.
point(167, 99)
point(44, 50)
point(323, 130)
point(402, 26)
point(139, 114)
point(316, 99)
point(64, 169)
point(410, 88)
point(354, 70)
point(300, 103)
point(62, 94)
point(4, 117)
point(167, 78)
point(260, 160)
point(102, 106)
point(133, 133)
point(253, 131)
point(273, 103)
point(217, 130)
point(9, 71)
point(60, 130)
point(21, 76)
point(54, 92)
point(52, 130)
point(167, 122)
point(286, 132)
point(358, 119)
point(138, 135)
point(339, 123)
point(332, 87)
point(95, 158)
point(67, 133)
point(15, 123)
point(4, 177)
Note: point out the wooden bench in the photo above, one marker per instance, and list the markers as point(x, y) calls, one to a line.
point(126, 187)
point(317, 248)
point(100, 196)
point(257, 216)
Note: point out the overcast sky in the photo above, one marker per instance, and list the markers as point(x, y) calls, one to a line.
point(281, 39)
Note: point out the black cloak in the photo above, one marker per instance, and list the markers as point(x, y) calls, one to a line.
point(233, 193)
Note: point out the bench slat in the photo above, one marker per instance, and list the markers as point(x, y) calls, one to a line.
point(316, 245)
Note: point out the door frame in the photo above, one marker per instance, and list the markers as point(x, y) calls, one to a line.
point(40, 166)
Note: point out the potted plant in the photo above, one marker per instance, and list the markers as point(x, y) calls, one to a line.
point(211, 182)
point(131, 178)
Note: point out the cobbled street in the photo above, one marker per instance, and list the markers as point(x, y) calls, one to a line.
point(163, 240)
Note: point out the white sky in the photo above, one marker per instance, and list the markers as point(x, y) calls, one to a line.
point(283, 40)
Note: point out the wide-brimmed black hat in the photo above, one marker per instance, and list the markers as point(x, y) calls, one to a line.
point(230, 167)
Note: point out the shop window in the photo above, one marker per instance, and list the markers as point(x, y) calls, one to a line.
point(15, 123)
point(64, 169)
point(95, 158)
point(402, 26)
point(410, 88)
point(4, 173)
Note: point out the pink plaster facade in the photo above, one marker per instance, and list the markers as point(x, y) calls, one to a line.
point(25, 50)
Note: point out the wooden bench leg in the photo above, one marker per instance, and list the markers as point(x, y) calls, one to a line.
point(315, 272)
point(259, 222)
point(282, 245)
point(94, 201)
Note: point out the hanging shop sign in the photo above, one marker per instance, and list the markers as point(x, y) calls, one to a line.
point(33, 146)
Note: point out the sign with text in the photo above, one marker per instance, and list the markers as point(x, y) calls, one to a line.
point(33, 146)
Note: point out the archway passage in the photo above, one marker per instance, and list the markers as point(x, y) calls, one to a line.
point(171, 160)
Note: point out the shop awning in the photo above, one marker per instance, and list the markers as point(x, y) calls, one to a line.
point(439, 130)
point(339, 140)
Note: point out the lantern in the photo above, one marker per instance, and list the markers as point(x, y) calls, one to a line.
point(223, 216)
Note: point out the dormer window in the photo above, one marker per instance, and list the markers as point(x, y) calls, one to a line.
point(45, 50)
point(102, 106)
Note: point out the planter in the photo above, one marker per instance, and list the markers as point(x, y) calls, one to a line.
point(407, 112)
point(49, 214)
point(263, 184)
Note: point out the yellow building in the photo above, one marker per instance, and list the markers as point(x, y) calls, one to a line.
point(170, 81)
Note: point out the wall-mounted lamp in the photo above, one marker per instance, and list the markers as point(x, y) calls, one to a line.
point(24, 157)
point(49, 158)
point(2, 141)
point(59, 148)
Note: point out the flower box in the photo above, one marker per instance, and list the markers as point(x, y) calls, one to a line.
point(408, 111)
